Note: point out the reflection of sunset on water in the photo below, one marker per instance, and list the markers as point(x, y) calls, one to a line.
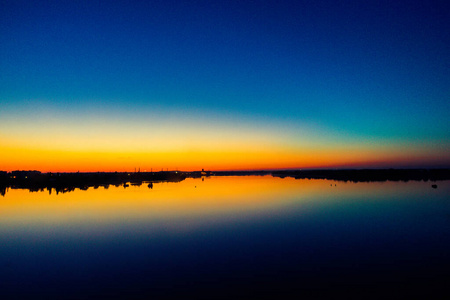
point(233, 231)
point(190, 201)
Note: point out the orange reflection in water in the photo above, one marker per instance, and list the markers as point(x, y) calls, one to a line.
point(191, 200)
point(191, 197)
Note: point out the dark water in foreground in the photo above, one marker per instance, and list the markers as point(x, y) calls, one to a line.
point(228, 237)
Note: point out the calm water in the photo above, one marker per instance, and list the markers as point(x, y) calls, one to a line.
point(227, 237)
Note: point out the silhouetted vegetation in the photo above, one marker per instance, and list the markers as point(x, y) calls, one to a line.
point(367, 175)
point(67, 182)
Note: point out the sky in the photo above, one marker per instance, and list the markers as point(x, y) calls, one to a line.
point(224, 85)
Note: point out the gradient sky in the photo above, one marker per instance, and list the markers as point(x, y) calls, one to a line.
point(114, 85)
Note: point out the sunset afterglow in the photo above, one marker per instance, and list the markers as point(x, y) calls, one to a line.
point(235, 86)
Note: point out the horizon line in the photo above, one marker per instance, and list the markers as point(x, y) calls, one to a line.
point(240, 170)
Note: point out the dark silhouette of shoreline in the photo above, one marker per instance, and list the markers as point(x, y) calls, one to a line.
point(369, 175)
point(36, 181)
point(66, 182)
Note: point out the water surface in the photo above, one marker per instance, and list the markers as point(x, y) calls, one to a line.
point(226, 237)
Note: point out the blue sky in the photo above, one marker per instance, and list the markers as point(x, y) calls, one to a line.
point(365, 69)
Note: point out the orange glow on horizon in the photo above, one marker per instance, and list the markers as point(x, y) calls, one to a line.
point(22, 158)
point(65, 145)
